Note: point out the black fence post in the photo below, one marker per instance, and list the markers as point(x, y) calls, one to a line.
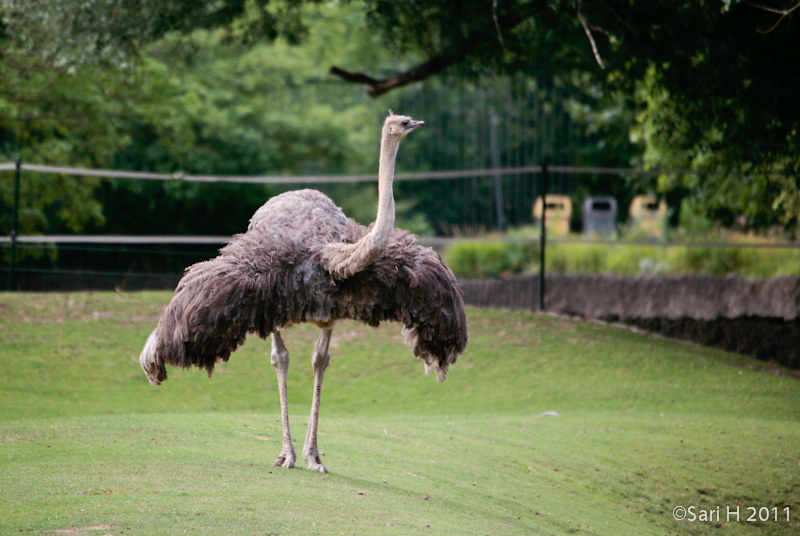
point(494, 148)
point(14, 213)
point(542, 231)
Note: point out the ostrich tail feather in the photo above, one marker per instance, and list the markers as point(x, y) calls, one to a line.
point(217, 303)
point(152, 362)
point(435, 322)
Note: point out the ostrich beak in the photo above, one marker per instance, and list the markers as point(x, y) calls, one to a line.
point(415, 125)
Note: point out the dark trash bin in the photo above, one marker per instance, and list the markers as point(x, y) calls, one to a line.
point(600, 215)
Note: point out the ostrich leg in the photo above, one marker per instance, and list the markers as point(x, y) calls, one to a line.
point(280, 360)
point(319, 361)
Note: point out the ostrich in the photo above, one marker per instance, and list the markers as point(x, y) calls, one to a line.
point(303, 260)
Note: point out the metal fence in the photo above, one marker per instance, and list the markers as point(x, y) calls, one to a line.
point(478, 167)
point(103, 262)
point(70, 262)
point(73, 262)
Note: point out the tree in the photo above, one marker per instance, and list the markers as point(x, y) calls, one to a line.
point(45, 119)
point(71, 33)
point(721, 69)
point(711, 83)
point(201, 103)
point(734, 81)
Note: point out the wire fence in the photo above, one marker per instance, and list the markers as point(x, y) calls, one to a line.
point(478, 167)
point(73, 262)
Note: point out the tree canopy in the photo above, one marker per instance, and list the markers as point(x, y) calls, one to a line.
point(702, 84)
point(726, 69)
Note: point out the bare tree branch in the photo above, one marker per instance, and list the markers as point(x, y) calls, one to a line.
point(497, 24)
point(356, 78)
point(432, 67)
point(590, 36)
point(448, 57)
point(617, 16)
point(782, 12)
point(771, 9)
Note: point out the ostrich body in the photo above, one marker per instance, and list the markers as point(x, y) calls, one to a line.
point(303, 260)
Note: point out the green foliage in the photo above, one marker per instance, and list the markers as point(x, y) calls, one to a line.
point(584, 259)
point(489, 259)
point(771, 262)
point(741, 255)
point(712, 261)
point(587, 259)
point(634, 259)
point(628, 257)
point(635, 231)
point(755, 262)
point(752, 191)
point(47, 117)
point(697, 103)
point(693, 223)
point(199, 104)
point(196, 89)
point(224, 110)
point(477, 259)
point(74, 33)
point(205, 104)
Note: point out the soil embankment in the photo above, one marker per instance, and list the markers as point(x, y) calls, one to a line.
point(758, 317)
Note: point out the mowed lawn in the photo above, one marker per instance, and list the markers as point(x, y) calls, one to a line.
point(546, 426)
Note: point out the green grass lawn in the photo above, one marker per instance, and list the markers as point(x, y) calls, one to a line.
point(644, 424)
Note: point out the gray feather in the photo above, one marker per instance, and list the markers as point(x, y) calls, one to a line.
point(273, 276)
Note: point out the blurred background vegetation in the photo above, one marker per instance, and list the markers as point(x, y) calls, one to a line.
point(294, 87)
point(501, 259)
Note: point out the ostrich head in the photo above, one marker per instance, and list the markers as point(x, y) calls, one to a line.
point(400, 125)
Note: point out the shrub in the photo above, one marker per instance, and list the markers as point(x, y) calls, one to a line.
point(724, 261)
point(557, 258)
point(589, 259)
point(489, 259)
point(636, 260)
point(495, 259)
point(770, 262)
point(686, 260)
point(705, 260)
point(576, 258)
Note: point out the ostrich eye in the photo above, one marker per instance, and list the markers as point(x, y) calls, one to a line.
point(405, 123)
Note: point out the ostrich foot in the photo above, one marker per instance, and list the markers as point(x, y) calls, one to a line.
point(314, 461)
point(286, 459)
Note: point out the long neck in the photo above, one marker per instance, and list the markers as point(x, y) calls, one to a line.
point(344, 260)
point(384, 222)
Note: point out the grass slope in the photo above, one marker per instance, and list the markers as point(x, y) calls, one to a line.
point(87, 446)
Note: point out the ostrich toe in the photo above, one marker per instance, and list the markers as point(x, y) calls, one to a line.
point(316, 465)
point(285, 460)
point(314, 462)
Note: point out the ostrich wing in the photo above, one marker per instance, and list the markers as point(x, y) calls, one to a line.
point(217, 303)
point(409, 284)
point(274, 275)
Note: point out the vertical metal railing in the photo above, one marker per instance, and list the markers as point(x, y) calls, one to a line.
point(543, 230)
point(494, 149)
point(14, 219)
